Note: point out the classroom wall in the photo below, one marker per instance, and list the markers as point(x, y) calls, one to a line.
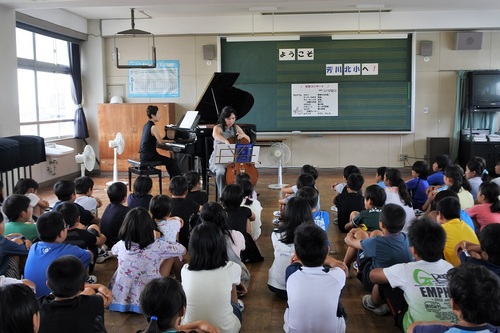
point(9, 106)
point(435, 90)
point(435, 79)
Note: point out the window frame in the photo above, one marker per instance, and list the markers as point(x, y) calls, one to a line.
point(45, 67)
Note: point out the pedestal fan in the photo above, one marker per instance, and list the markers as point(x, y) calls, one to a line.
point(279, 154)
point(118, 145)
point(86, 159)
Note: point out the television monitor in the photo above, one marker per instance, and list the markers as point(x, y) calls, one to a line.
point(484, 90)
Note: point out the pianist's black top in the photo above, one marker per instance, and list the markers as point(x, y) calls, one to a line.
point(147, 149)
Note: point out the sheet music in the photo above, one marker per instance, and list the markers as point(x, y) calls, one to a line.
point(224, 153)
point(188, 120)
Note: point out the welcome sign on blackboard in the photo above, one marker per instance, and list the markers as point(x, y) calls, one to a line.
point(373, 79)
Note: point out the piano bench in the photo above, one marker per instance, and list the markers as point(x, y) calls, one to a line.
point(143, 169)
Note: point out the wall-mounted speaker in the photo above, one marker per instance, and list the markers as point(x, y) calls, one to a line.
point(209, 52)
point(468, 40)
point(426, 48)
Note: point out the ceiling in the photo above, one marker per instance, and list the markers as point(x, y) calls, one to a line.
point(144, 9)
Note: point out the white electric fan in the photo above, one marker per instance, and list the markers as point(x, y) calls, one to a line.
point(279, 154)
point(118, 145)
point(86, 159)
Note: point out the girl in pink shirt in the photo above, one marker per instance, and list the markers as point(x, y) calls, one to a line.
point(488, 209)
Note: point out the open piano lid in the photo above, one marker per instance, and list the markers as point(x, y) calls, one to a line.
point(220, 93)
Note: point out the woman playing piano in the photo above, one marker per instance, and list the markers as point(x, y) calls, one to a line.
point(151, 136)
point(225, 130)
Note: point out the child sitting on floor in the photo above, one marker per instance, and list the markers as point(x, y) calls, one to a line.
point(422, 282)
point(297, 212)
point(476, 173)
point(254, 206)
point(194, 188)
point(313, 285)
point(486, 253)
point(475, 300)
point(169, 226)
point(22, 313)
point(448, 215)
point(184, 208)
point(12, 249)
point(368, 219)
point(163, 303)
point(239, 218)
point(71, 300)
point(417, 186)
point(438, 165)
point(349, 200)
point(52, 231)
point(29, 188)
point(209, 266)
point(320, 217)
point(18, 212)
point(487, 210)
point(379, 176)
point(141, 258)
point(380, 249)
point(84, 187)
point(142, 193)
point(65, 191)
point(114, 214)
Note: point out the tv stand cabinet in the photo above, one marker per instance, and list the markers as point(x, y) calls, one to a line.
point(490, 151)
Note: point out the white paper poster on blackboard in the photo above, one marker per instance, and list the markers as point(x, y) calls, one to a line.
point(315, 100)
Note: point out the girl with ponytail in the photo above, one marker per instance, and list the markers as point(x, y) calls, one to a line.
point(163, 303)
point(398, 194)
point(488, 209)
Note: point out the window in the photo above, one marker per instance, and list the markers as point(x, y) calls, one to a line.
point(46, 107)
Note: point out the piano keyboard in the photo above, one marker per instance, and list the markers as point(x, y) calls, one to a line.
point(175, 147)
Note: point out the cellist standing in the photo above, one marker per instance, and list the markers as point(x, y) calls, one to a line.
point(223, 132)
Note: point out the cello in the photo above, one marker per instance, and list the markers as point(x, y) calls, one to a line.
point(235, 168)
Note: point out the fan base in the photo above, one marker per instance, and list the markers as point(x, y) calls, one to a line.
point(276, 186)
point(112, 182)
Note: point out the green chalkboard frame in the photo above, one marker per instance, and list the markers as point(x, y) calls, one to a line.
point(367, 103)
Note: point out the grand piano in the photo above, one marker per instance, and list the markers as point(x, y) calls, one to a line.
point(218, 94)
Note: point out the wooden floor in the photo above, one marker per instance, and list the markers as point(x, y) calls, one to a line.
point(263, 311)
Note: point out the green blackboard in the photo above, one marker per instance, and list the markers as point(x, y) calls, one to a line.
point(372, 103)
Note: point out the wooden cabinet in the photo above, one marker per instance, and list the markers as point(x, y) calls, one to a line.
point(129, 119)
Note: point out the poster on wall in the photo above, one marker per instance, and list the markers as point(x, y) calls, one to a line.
point(160, 82)
point(315, 100)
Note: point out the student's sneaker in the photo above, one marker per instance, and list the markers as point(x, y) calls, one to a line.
point(418, 212)
point(355, 265)
point(336, 221)
point(277, 213)
point(103, 256)
point(379, 310)
point(334, 208)
point(276, 221)
point(241, 305)
point(91, 279)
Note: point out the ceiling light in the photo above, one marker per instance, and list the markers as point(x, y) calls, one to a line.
point(263, 9)
point(133, 32)
point(262, 38)
point(370, 36)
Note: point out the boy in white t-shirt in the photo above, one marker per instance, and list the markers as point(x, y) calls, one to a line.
point(475, 299)
point(423, 282)
point(84, 187)
point(313, 289)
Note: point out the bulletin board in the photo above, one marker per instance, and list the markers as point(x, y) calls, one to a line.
point(372, 79)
